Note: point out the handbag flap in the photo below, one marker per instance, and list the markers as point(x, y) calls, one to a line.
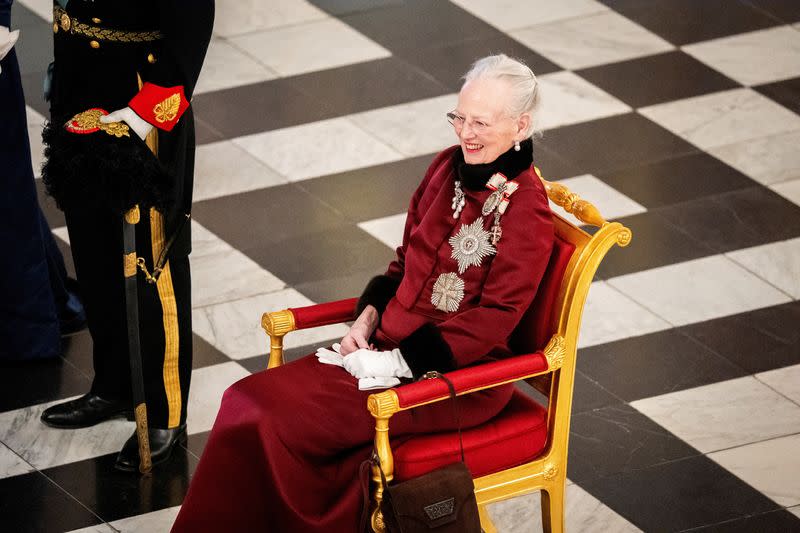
point(435, 498)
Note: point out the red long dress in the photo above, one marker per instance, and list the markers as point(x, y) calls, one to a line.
point(285, 449)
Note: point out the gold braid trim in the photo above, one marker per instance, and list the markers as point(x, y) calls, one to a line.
point(74, 26)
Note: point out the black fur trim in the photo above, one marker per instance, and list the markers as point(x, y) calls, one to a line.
point(101, 171)
point(511, 164)
point(378, 292)
point(426, 350)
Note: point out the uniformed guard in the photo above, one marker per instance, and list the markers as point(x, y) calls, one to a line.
point(122, 134)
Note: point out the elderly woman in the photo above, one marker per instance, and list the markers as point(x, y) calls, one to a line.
point(285, 450)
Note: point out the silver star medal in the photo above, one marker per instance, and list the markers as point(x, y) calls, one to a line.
point(470, 245)
point(448, 291)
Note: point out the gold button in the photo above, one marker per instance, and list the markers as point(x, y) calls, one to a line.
point(65, 22)
point(96, 20)
point(94, 44)
point(55, 27)
point(151, 58)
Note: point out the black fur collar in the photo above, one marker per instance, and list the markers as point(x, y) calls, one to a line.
point(511, 164)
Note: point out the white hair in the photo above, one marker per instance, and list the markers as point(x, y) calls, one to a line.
point(524, 85)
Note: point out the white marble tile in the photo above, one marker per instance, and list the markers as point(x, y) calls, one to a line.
point(43, 8)
point(723, 118)
point(412, 129)
point(317, 45)
point(591, 40)
point(767, 160)
point(229, 275)
point(743, 57)
point(569, 99)
point(156, 522)
point(388, 230)
point(34, 118)
point(777, 262)
point(610, 202)
point(37, 148)
point(702, 289)
point(204, 242)
point(784, 380)
point(609, 315)
point(205, 394)
point(223, 168)
point(725, 414)
point(43, 447)
point(789, 190)
point(236, 17)
point(226, 66)
point(582, 512)
point(234, 327)
point(770, 466)
point(12, 464)
point(513, 14)
point(795, 510)
point(339, 145)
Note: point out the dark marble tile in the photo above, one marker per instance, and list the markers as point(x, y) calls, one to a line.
point(259, 362)
point(656, 79)
point(38, 381)
point(22, 17)
point(32, 87)
point(205, 133)
point(203, 354)
point(349, 285)
point(33, 503)
point(588, 394)
point(53, 215)
point(370, 192)
point(197, 443)
point(77, 351)
point(35, 45)
point(781, 521)
point(256, 108)
point(676, 180)
point(273, 215)
point(346, 7)
point(737, 219)
point(654, 364)
point(614, 143)
point(785, 10)
point(419, 24)
point(619, 439)
point(679, 495)
point(449, 62)
point(324, 254)
point(688, 21)
point(113, 495)
point(655, 243)
point(756, 341)
point(785, 92)
point(368, 85)
point(552, 166)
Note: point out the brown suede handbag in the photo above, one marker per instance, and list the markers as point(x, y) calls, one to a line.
point(441, 501)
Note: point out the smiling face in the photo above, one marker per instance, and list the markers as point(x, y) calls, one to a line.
point(484, 129)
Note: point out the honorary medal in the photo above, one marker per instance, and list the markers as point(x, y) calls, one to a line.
point(448, 291)
point(470, 245)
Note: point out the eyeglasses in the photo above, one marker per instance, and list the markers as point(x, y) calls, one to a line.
point(457, 121)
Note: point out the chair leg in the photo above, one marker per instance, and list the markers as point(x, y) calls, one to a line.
point(553, 509)
point(486, 522)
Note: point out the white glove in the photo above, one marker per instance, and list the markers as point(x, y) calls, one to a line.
point(332, 357)
point(7, 40)
point(365, 363)
point(129, 116)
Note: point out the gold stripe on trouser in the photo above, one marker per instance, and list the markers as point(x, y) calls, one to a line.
point(169, 310)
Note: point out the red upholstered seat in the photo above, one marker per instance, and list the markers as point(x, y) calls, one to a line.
point(515, 436)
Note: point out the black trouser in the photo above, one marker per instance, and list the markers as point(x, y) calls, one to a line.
point(165, 318)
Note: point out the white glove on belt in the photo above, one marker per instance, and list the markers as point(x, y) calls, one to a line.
point(333, 357)
point(129, 117)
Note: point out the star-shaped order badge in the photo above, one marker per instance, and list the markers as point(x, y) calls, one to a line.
point(470, 245)
point(448, 291)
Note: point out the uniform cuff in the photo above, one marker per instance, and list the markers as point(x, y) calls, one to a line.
point(378, 292)
point(426, 350)
point(160, 106)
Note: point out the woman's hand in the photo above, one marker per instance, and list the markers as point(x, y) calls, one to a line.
point(361, 330)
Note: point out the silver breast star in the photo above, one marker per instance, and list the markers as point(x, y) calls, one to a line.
point(448, 291)
point(470, 245)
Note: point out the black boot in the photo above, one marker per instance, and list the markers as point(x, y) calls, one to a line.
point(85, 411)
point(162, 441)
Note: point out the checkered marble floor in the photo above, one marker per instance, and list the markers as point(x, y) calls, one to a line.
point(316, 120)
